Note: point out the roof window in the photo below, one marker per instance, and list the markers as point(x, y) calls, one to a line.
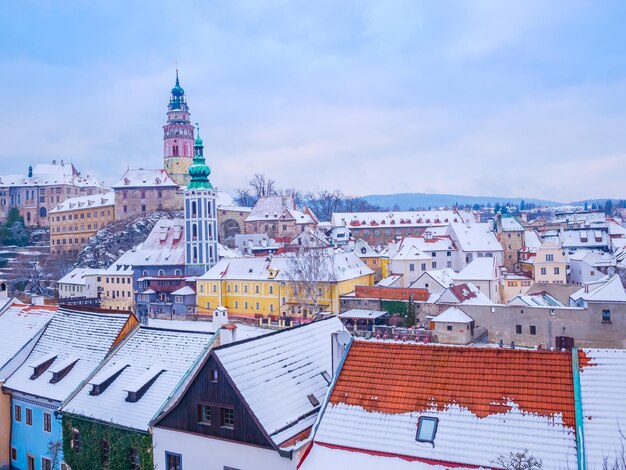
point(140, 386)
point(314, 401)
point(105, 378)
point(426, 429)
point(41, 365)
point(326, 376)
point(61, 369)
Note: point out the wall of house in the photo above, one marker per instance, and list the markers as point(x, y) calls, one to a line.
point(584, 325)
point(512, 242)
point(130, 202)
point(199, 452)
point(117, 292)
point(32, 439)
point(513, 287)
point(70, 230)
point(5, 429)
point(453, 333)
point(230, 222)
point(581, 272)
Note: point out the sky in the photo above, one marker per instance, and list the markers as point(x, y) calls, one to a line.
point(371, 97)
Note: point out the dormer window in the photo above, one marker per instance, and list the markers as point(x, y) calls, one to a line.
point(426, 429)
point(139, 387)
point(61, 369)
point(41, 365)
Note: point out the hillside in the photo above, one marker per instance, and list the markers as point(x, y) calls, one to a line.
point(421, 200)
point(109, 243)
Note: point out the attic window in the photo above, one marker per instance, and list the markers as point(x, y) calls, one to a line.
point(326, 376)
point(61, 369)
point(42, 365)
point(426, 429)
point(314, 401)
point(140, 386)
point(105, 378)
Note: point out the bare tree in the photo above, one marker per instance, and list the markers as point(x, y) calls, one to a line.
point(311, 273)
point(33, 276)
point(54, 451)
point(519, 461)
point(262, 185)
point(244, 198)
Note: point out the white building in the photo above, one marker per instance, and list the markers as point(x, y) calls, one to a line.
point(81, 283)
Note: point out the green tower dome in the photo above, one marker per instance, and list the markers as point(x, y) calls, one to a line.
point(177, 91)
point(199, 170)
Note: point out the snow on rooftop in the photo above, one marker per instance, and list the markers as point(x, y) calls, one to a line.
point(94, 201)
point(480, 269)
point(400, 219)
point(607, 289)
point(145, 178)
point(276, 373)
point(186, 290)
point(165, 245)
point(45, 174)
point(539, 299)
point(475, 237)
point(511, 224)
point(531, 240)
point(243, 331)
point(19, 324)
point(453, 315)
point(149, 353)
point(272, 208)
point(77, 275)
point(359, 313)
point(88, 336)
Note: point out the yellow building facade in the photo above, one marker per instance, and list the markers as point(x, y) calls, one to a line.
point(549, 264)
point(253, 287)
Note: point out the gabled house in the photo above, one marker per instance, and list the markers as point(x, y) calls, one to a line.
point(251, 404)
point(20, 327)
point(484, 274)
point(69, 349)
point(407, 406)
point(467, 294)
point(106, 420)
point(475, 241)
point(546, 263)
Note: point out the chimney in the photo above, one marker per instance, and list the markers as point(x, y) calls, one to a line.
point(4, 291)
point(228, 333)
point(338, 342)
point(220, 317)
point(37, 300)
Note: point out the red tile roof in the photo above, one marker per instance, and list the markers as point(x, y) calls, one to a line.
point(400, 378)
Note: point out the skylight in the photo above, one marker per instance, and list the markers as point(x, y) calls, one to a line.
point(426, 429)
point(313, 399)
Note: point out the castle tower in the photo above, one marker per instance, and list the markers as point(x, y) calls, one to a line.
point(200, 216)
point(178, 137)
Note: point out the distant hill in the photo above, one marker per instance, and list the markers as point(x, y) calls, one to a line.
point(421, 200)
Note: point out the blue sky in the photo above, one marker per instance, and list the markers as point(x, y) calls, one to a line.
point(481, 98)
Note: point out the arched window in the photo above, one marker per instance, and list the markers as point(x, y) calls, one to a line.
point(208, 209)
point(194, 230)
point(43, 212)
point(178, 272)
point(210, 230)
point(193, 208)
point(161, 272)
point(145, 272)
point(195, 254)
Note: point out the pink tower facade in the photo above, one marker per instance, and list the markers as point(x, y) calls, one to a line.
point(178, 137)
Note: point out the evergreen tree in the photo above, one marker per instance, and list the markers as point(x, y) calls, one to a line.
point(13, 231)
point(608, 207)
point(586, 208)
point(522, 205)
point(496, 208)
point(410, 312)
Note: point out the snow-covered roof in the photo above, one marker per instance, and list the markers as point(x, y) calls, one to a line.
point(475, 237)
point(165, 245)
point(602, 384)
point(363, 249)
point(453, 315)
point(409, 252)
point(400, 219)
point(501, 395)
point(45, 174)
point(389, 281)
point(19, 324)
point(444, 277)
point(169, 355)
point(186, 290)
point(95, 201)
point(343, 266)
point(480, 269)
point(607, 289)
point(467, 294)
point(537, 299)
point(123, 265)
point(362, 314)
point(77, 276)
point(531, 240)
point(277, 373)
point(429, 243)
point(272, 208)
point(243, 331)
point(585, 238)
point(70, 334)
point(223, 200)
point(142, 178)
point(511, 224)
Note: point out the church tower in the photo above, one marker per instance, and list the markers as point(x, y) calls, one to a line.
point(178, 137)
point(200, 216)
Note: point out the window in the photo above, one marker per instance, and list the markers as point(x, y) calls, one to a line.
point(227, 418)
point(47, 422)
point(29, 416)
point(105, 451)
point(434, 265)
point(173, 461)
point(518, 329)
point(557, 270)
point(30, 462)
point(449, 327)
point(533, 330)
point(606, 316)
point(271, 289)
point(256, 289)
point(75, 440)
point(65, 466)
point(204, 414)
point(411, 267)
point(135, 458)
point(258, 306)
point(423, 266)
point(13, 453)
point(426, 429)
point(449, 253)
point(448, 264)
point(543, 271)
point(549, 257)
point(17, 413)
